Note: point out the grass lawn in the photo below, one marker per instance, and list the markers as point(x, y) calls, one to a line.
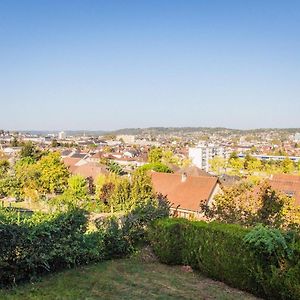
point(130, 279)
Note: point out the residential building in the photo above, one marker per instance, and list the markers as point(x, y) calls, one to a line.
point(186, 193)
point(288, 184)
point(202, 154)
point(62, 135)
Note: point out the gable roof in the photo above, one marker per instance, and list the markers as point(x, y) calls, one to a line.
point(90, 170)
point(79, 155)
point(71, 161)
point(187, 194)
point(288, 184)
point(193, 171)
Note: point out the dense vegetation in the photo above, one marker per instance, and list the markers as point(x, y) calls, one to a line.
point(35, 244)
point(263, 261)
point(248, 204)
point(250, 165)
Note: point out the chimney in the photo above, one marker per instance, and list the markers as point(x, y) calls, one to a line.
point(183, 177)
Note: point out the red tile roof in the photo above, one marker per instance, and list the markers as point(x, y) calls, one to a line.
point(188, 194)
point(70, 161)
point(288, 184)
point(90, 170)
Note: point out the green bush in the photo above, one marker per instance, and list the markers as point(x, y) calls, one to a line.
point(228, 253)
point(31, 246)
point(166, 239)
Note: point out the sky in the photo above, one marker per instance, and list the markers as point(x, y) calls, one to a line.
point(104, 65)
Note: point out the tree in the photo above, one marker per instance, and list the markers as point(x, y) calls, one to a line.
point(155, 155)
point(14, 142)
point(30, 151)
point(247, 204)
point(114, 167)
point(218, 165)
point(28, 175)
point(141, 188)
point(252, 164)
point(287, 165)
point(169, 158)
point(77, 187)
point(53, 173)
point(157, 167)
point(10, 187)
point(233, 155)
point(236, 165)
point(105, 186)
point(4, 167)
point(55, 143)
point(120, 197)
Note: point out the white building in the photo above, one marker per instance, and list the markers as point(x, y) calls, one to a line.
point(297, 137)
point(202, 154)
point(126, 138)
point(62, 135)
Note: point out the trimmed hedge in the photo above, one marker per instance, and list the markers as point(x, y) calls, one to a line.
point(219, 251)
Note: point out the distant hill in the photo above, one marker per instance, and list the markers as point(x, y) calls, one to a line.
point(165, 130)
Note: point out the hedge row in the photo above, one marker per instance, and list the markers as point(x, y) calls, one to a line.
point(31, 246)
point(34, 244)
point(219, 251)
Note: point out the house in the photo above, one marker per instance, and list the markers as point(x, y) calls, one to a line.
point(288, 184)
point(90, 170)
point(186, 193)
point(85, 168)
point(229, 180)
point(193, 171)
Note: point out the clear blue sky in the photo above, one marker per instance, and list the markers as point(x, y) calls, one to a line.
point(114, 64)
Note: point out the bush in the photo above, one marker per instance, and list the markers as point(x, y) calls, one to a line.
point(228, 253)
point(31, 246)
point(166, 239)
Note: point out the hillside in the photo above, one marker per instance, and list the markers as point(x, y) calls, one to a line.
point(125, 279)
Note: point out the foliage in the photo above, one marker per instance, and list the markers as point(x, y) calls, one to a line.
point(218, 165)
point(251, 165)
point(235, 165)
point(120, 197)
point(4, 167)
point(115, 168)
point(138, 219)
point(141, 189)
point(10, 187)
point(269, 244)
point(53, 173)
point(116, 245)
point(157, 167)
point(34, 245)
point(155, 155)
point(158, 155)
point(209, 247)
point(77, 187)
point(247, 204)
point(29, 150)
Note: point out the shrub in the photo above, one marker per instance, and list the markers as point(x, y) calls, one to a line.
point(166, 239)
point(263, 261)
point(42, 243)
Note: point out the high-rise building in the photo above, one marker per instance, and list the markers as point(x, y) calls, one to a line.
point(62, 135)
point(202, 154)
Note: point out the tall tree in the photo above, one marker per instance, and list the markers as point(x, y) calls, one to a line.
point(54, 174)
point(29, 150)
point(141, 188)
point(155, 155)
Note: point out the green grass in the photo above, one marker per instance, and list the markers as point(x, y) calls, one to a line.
point(125, 279)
